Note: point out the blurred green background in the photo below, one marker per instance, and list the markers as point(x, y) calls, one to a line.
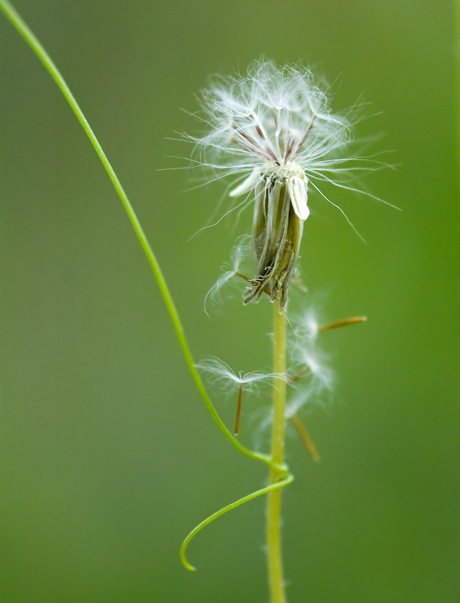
point(108, 455)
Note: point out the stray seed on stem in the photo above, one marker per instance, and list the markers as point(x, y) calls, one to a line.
point(343, 323)
point(305, 437)
point(238, 409)
point(298, 375)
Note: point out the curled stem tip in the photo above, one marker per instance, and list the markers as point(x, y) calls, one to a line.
point(286, 478)
point(39, 50)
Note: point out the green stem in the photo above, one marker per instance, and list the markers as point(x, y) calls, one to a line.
point(275, 561)
point(286, 479)
point(33, 42)
point(457, 11)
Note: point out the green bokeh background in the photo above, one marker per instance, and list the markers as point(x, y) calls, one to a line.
point(108, 455)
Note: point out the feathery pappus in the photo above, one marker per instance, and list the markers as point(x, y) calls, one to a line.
point(273, 132)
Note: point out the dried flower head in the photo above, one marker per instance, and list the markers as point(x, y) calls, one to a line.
point(273, 131)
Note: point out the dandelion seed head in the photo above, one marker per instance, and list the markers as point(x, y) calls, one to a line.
point(270, 118)
point(272, 131)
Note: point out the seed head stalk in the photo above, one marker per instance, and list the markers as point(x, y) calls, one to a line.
point(275, 561)
point(279, 176)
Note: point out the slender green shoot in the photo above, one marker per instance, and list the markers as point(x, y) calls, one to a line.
point(279, 468)
point(288, 479)
point(30, 38)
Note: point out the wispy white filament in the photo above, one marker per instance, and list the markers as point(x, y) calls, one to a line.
point(219, 371)
point(240, 250)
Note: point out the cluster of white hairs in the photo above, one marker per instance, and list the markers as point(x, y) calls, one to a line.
point(272, 133)
point(263, 119)
point(303, 351)
point(277, 122)
point(219, 372)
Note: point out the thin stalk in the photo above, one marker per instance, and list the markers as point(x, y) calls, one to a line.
point(275, 561)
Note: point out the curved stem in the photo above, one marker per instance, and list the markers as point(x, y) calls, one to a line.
point(278, 469)
point(33, 42)
point(287, 479)
point(275, 562)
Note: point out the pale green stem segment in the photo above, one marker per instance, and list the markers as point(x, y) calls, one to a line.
point(275, 560)
point(278, 468)
point(30, 38)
